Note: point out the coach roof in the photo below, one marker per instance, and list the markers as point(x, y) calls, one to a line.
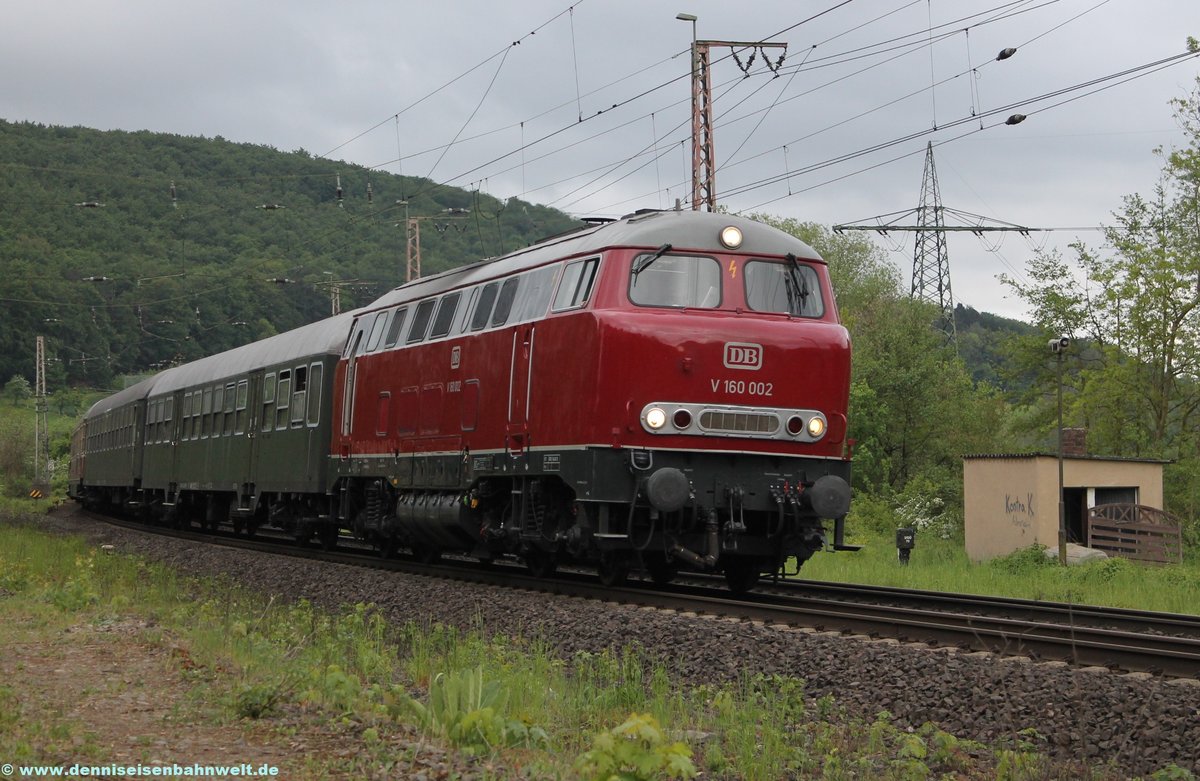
point(324, 337)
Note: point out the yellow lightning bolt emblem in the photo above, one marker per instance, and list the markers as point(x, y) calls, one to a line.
point(732, 270)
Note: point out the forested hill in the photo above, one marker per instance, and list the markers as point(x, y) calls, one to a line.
point(159, 275)
point(155, 276)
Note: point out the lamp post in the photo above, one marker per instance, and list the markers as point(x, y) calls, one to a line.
point(695, 109)
point(1059, 348)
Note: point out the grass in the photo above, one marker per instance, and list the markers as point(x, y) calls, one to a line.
point(942, 565)
point(252, 662)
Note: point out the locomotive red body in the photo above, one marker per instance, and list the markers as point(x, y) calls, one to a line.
point(666, 391)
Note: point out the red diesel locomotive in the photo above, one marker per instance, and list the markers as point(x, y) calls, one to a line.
point(662, 392)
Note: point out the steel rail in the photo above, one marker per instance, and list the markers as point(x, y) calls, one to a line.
point(1044, 640)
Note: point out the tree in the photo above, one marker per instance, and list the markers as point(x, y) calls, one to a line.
point(913, 407)
point(17, 389)
point(1134, 303)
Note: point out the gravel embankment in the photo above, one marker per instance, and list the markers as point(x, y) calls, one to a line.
point(1139, 723)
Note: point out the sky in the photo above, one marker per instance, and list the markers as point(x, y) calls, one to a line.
point(586, 106)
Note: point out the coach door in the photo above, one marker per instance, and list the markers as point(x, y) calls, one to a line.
point(520, 387)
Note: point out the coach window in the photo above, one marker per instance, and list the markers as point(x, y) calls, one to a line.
point(788, 288)
point(535, 294)
point(677, 281)
point(149, 435)
point(315, 372)
point(445, 315)
point(268, 402)
point(283, 400)
point(168, 417)
point(377, 332)
point(243, 396)
point(205, 412)
point(393, 331)
point(298, 394)
point(576, 286)
point(185, 416)
point(218, 409)
point(504, 301)
point(483, 310)
point(229, 400)
point(420, 321)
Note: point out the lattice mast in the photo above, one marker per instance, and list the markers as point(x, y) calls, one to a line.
point(931, 262)
point(704, 158)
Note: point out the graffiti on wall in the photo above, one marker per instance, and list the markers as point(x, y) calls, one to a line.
point(1019, 510)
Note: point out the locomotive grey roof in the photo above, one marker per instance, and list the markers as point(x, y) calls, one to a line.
point(324, 337)
point(649, 229)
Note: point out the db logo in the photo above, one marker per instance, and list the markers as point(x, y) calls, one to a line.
point(743, 355)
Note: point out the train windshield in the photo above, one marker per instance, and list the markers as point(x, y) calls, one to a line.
point(788, 288)
point(675, 281)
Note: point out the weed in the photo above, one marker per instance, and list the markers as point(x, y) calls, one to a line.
point(636, 750)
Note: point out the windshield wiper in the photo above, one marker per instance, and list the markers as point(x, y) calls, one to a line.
point(797, 287)
point(645, 263)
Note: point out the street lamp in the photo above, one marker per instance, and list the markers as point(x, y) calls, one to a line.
point(1059, 348)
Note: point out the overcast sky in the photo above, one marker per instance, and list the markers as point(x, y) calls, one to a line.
point(589, 112)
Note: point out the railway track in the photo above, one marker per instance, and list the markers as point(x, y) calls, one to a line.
point(1087, 636)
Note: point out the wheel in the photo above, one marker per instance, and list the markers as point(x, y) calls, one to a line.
point(741, 576)
point(387, 547)
point(613, 570)
point(540, 563)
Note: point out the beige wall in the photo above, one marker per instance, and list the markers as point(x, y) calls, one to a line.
point(1012, 503)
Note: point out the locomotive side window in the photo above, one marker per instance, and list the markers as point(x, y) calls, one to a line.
point(676, 281)
point(298, 396)
point(504, 301)
point(483, 311)
point(576, 286)
point(535, 293)
point(377, 332)
point(268, 402)
point(284, 400)
point(445, 315)
point(789, 288)
point(393, 332)
point(315, 371)
point(420, 321)
point(467, 311)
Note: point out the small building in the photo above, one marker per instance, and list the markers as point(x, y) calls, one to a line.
point(1011, 501)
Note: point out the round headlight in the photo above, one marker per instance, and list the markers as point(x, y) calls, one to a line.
point(816, 427)
point(731, 237)
point(656, 418)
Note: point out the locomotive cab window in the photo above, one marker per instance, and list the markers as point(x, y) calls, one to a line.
point(576, 286)
point(676, 281)
point(789, 288)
